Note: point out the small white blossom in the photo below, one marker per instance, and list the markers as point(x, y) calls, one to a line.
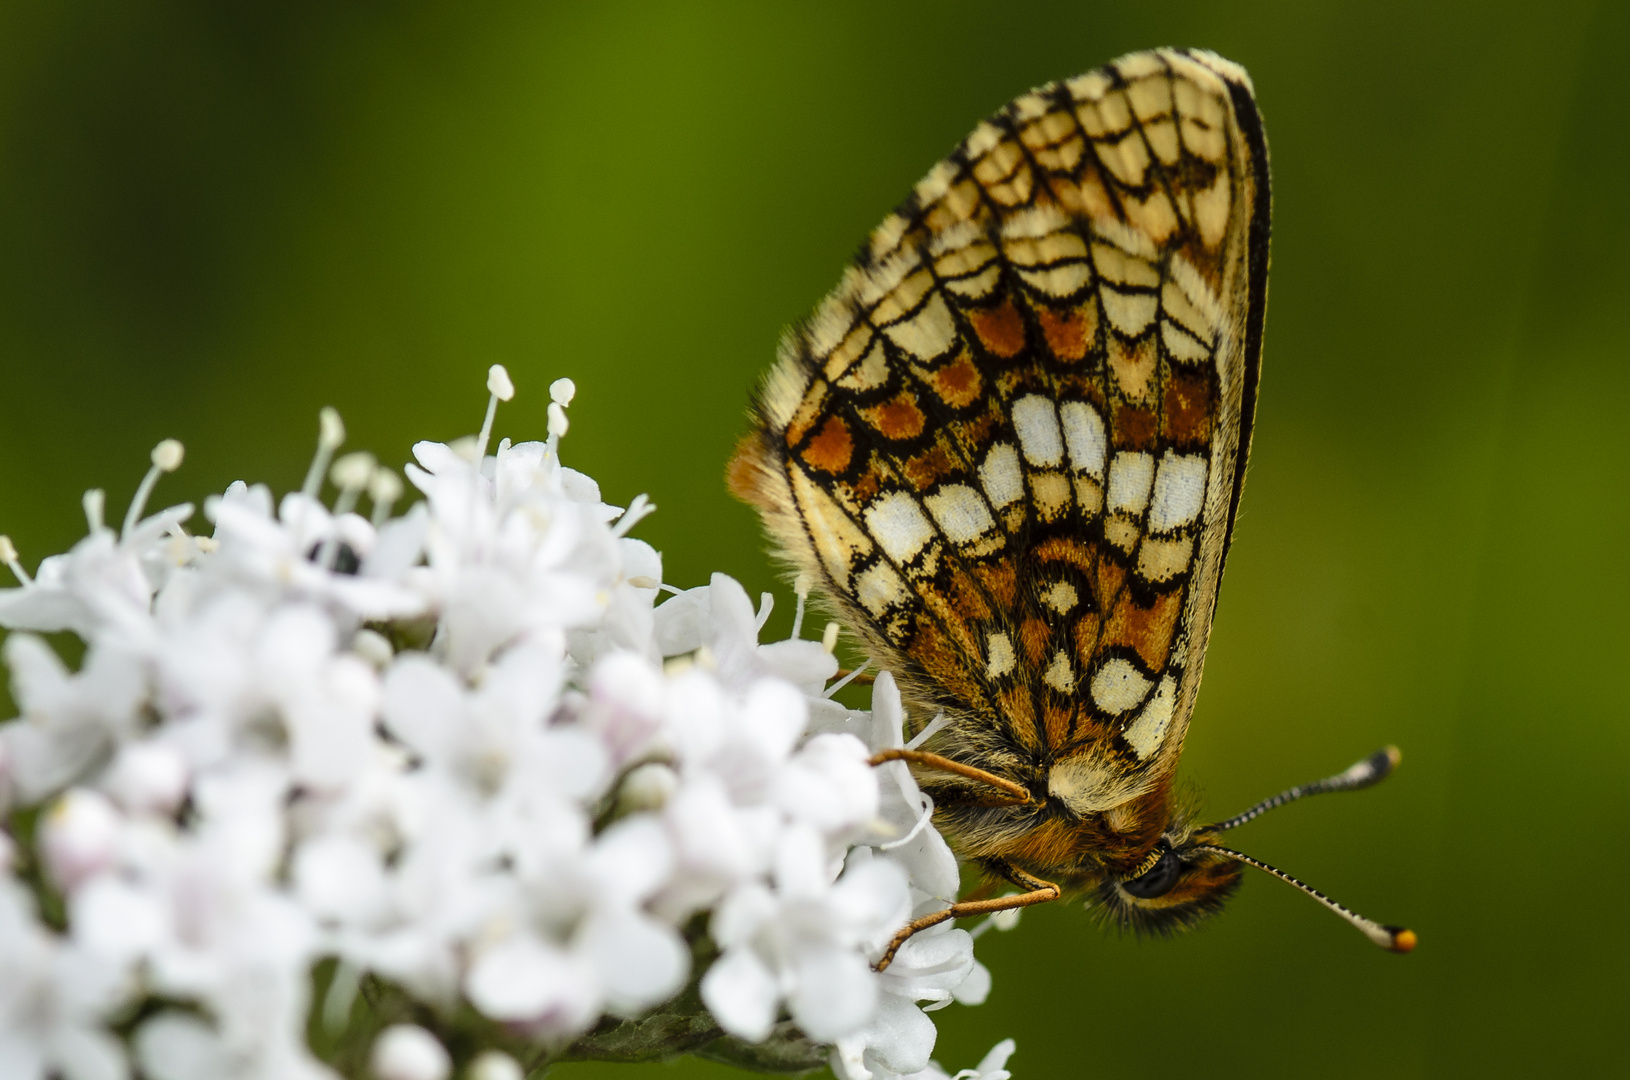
point(54, 1000)
point(408, 1052)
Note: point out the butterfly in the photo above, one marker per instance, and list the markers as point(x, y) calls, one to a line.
point(1008, 449)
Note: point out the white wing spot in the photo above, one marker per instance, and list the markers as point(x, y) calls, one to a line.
point(1118, 687)
point(1148, 731)
point(1000, 476)
point(1180, 491)
point(999, 656)
point(928, 333)
point(898, 525)
point(1084, 436)
point(961, 513)
point(1130, 313)
point(878, 588)
point(1163, 559)
point(1059, 675)
point(1061, 597)
point(1036, 422)
point(1130, 475)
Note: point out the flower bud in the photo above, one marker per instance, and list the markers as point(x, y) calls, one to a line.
point(148, 777)
point(80, 837)
point(494, 1065)
point(409, 1052)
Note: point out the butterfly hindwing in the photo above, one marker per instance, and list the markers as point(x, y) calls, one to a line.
point(1010, 443)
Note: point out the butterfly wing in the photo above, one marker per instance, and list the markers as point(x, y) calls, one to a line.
point(1010, 443)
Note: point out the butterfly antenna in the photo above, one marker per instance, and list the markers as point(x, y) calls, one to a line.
point(1372, 770)
point(1396, 938)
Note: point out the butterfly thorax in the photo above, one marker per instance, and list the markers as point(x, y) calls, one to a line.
point(1089, 815)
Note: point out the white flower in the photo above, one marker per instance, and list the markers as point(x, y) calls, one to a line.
point(510, 550)
point(105, 584)
point(242, 678)
point(805, 941)
point(720, 617)
point(54, 1000)
point(297, 552)
point(68, 720)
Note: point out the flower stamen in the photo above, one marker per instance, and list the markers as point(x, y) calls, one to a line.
point(166, 458)
point(499, 388)
point(330, 437)
point(94, 501)
point(384, 488)
point(800, 589)
point(8, 555)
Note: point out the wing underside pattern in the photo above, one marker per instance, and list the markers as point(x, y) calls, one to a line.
point(1010, 443)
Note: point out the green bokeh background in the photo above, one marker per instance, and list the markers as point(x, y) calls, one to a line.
point(216, 218)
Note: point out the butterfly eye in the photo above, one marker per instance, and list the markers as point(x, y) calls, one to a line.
point(1157, 880)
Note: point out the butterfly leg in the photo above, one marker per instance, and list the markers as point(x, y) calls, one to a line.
point(1039, 892)
point(1016, 795)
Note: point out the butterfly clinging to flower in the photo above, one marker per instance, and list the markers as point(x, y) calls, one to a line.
point(1009, 447)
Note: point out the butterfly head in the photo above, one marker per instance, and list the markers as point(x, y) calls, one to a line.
point(1179, 883)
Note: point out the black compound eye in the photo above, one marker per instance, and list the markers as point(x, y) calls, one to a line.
point(1157, 880)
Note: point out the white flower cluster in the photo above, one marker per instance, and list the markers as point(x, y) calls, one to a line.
point(463, 749)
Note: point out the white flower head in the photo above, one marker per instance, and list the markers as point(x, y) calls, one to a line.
point(461, 750)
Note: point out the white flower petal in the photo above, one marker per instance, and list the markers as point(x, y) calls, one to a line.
point(525, 980)
point(741, 994)
point(641, 962)
point(993, 1066)
point(682, 621)
point(180, 1046)
point(836, 993)
point(87, 1054)
point(900, 1036)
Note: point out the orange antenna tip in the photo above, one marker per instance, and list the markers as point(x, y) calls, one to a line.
point(1402, 940)
point(1394, 755)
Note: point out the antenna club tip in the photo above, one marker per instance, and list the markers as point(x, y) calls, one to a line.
point(1403, 940)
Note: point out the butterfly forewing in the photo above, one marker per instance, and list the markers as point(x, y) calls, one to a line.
point(1010, 443)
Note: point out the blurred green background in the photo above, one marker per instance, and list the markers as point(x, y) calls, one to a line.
point(216, 218)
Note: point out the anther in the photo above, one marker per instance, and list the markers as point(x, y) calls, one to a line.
point(351, 474)
point(829, 637)
point(8, 555)
point(561, 392)
point(353, 471)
